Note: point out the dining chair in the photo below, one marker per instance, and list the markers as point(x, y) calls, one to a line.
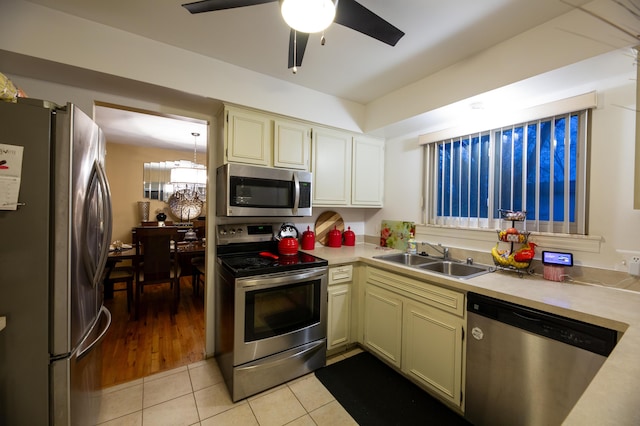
point(119, 274)
point(197, 274)
point(155, 262)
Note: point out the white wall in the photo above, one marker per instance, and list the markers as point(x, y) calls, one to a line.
point(610, 213)
point(27, 29)
point(36, 31)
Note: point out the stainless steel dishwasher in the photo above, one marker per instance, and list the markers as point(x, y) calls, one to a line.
point(527, 367)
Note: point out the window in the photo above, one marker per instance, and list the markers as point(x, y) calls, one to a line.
point(538, 167)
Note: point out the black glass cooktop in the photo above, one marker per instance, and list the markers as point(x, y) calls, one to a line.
point(244, 260)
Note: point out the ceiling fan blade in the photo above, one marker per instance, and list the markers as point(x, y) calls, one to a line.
point(353, 15)
point(301, 45)
point(212, 5)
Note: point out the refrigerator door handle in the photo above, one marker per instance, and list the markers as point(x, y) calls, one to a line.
point(98, 182)
point(108, 220)
point(85, 347)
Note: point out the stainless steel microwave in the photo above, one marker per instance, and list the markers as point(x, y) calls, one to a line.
point(244, 190)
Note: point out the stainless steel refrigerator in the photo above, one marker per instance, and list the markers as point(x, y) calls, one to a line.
point(53, 249)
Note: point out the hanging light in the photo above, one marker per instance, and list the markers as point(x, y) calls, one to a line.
point(190, 174)
point(186, 179)
point(308, 16)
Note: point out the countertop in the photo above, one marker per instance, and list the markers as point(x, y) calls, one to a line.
point(611, 398)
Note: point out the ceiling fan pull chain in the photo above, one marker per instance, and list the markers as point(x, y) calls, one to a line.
point(295, 52)
point(322, 39)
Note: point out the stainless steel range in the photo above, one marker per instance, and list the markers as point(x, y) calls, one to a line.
point(271, 310)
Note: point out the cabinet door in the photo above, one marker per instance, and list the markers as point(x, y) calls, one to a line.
point(339, 315)
point(383, 323)
point(432, 351)
point(331, 167)
point(248, 137)
point(291, 145)
point(368, 172)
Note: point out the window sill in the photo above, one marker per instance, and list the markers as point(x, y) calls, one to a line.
point(480, 239)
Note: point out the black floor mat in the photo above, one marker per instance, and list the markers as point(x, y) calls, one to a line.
point(374, 394)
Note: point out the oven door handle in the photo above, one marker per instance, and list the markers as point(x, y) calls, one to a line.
point(284, 358)
point(276, 279)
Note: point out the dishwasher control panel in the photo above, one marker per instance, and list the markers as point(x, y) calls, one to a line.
point(580, 334)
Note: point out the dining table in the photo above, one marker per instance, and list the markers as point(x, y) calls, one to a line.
point(186, 251)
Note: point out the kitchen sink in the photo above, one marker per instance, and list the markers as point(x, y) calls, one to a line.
point(456, 269)
point(406, 259)
point(451, 268)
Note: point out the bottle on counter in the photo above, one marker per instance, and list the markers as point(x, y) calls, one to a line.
point(412, 247)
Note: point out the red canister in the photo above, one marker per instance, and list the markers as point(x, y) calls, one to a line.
point(308, 239)
point(349, 237)
point(335, 238)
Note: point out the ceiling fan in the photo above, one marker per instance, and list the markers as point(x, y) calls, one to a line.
point(348, 13)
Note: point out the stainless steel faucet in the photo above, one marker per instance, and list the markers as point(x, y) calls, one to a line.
point(444, 251)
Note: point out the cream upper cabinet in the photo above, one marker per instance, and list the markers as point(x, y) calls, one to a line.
point(291, 144)
point(368, 172)
point(247, 137)
point(331, 167)
point(348, 171)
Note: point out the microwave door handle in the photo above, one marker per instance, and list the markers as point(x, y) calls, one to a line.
point(296, 197)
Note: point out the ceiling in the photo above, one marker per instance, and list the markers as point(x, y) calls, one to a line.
point(144, 128)
point(350, 66)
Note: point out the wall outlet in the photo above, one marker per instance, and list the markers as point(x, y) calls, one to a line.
point(634, 266)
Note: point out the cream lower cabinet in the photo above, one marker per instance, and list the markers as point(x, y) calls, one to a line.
point(417, 327)
point(339, 316)
point(383, 323)
point(432, 349)
point(339, 306)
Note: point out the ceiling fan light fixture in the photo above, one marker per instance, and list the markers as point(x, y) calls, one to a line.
point(308, 16)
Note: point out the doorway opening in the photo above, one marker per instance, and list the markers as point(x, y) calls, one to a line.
point(157, 341)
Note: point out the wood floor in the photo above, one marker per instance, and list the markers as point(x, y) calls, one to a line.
point(155, 342)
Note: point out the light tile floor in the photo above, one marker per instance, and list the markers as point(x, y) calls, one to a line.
point(196, 395)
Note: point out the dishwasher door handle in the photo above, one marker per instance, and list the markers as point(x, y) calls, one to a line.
point(526, 318)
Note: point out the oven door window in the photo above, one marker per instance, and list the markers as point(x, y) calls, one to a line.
point(280, 310)
point(266, 193)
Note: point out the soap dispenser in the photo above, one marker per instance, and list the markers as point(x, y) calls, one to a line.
point(411, 244)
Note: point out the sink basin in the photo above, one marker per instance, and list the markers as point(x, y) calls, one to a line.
point(406, 259)
point(455, 269)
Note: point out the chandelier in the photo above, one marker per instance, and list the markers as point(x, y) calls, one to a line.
point(187, 180)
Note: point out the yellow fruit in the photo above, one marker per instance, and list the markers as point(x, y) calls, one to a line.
point(519, 265)
point(498, 256)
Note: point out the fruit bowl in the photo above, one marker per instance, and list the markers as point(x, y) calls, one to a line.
point(511, 237)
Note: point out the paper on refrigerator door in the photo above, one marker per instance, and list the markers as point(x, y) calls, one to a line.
point(10, 175)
